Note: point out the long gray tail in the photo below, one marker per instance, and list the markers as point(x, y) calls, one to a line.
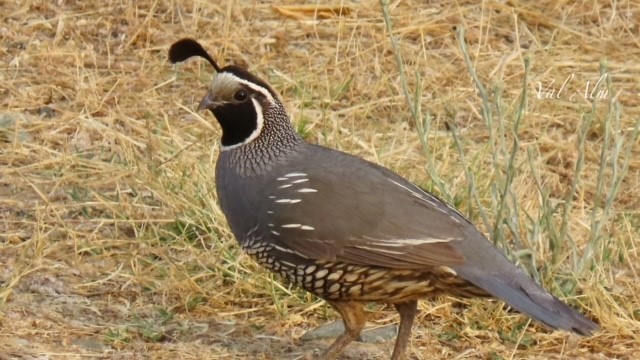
point(493, 272)
point(526, 296)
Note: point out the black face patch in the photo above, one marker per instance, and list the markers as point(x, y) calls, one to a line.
point(237, 120)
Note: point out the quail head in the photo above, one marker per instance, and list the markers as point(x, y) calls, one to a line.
point(345, 229)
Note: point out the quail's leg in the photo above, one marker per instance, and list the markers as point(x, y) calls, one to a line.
point(407, 313)
point(354, 318)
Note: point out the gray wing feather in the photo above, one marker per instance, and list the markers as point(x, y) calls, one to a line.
point(365, 215)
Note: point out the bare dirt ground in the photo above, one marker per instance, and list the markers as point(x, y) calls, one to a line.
point(111, 242)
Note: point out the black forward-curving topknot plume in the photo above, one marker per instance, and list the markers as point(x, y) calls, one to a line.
point(183, 49)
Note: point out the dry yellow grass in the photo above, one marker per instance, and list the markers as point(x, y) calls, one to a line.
point(111, 243)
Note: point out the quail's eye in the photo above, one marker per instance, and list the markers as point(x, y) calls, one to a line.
point(241, 95)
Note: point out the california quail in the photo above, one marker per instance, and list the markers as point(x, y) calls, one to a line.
point(345, 229)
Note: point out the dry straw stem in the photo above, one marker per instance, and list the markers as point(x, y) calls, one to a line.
point(111, 242)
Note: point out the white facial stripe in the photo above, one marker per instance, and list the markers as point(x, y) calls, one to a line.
point(255, 133)
point(253, 86)
point(229, 78)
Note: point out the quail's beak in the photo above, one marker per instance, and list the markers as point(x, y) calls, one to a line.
point(208, 102)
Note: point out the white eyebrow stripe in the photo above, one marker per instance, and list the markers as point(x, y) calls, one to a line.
point(249, 84)
point(307, 190)
point(257, 88)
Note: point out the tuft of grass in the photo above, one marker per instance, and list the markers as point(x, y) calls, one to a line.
point(117, 337)
point(503, 215)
